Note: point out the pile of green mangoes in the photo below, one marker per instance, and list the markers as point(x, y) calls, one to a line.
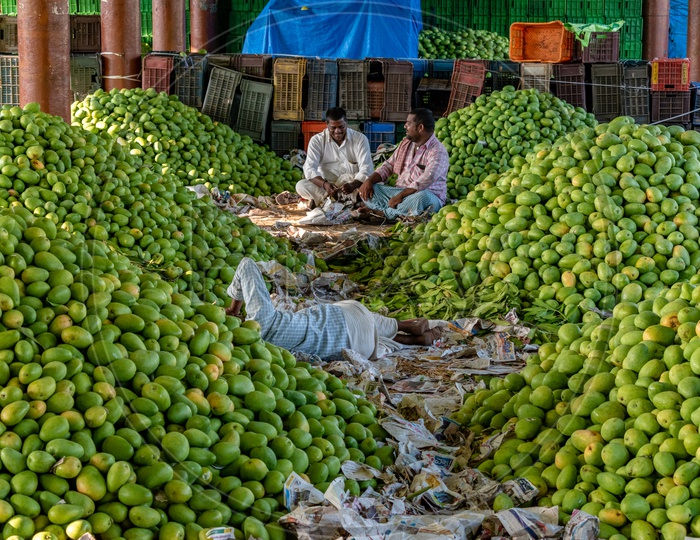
point(93, 184)
point(601, 216)
point(172, 137)
point(467, 43)
point(131, 409)
point(606, 419)
point(498, 130)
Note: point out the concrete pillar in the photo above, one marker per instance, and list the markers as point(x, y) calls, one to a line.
point(693, 43)
point(203, 33)
point(121, 44)
point(656, 23)
point(169, 25)
point(44, 55)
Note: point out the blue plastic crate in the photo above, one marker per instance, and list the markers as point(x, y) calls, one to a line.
point(440, 69)
point(379, 133)
point(420, 69)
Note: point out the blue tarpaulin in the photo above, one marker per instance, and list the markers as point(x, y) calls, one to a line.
point(354, 29)
point(678, 29)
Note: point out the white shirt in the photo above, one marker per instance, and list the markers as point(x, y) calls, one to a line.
point(327, 159)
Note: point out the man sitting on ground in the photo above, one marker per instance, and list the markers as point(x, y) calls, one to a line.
point(324, 329)
point(421, 163)
point(337, 158)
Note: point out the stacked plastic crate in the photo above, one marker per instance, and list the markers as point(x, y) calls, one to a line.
point(240, 15)
point(602, 56)
point(670, 91)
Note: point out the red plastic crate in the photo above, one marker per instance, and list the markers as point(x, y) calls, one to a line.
point(541, 42)
point(309, 129)
point(158, 72)
point(477, 68)
point(670, 75)
point(465, 90)
point(375, 98)
point(603, 48)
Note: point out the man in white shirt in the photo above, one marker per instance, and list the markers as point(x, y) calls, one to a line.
point(338, 160)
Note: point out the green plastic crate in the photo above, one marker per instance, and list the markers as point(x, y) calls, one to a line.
point(632, 31)
point(631, 51)
point(146, 5)
point(500, 26)
point(499, 8)
point(481, 22)
point(631, 8)
point(536, 9)
point(481, 8)
point(575, 10)
point(594, 8)
point(614, 9)
point(557, 9)
point(89, 7)
point(8, 7)
point(517, 11)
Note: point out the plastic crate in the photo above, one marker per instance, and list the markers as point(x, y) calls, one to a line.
point(570, 83)
point(504, 74)
point(85, 33)
point(632, 8)
point(557, 9)
point(288, 76)
point(695, 116)
point(323, 88)
point(309, 129)
point(284, 136)
point(632, 32)
point(465, 89)
point(603, 48)
point(670, 75)
point(595, 8)
point(85, 74)
point(541, 42)
point(400, 130)
point(433, 94)
point(499, 25)
point(257, 65)
point(440, 69)
point(157, 72)
point(375, 99)
point(352, 85)
point(147, 24)
point(474, 68)
point(631, 51)
point(9, 80)
point(88, 6)
point(8, 6)
point(671, 107)
point(635, 91)
point(379, 133)
point(146, 6)
point(254, 109)
point(189, 80)
point(606, 80)
point(221, 92)
point(219, 60)
point(536, 76)
point(8, 34)
point(517, 10)
point(420, 70)
point(398, 89)
point(536, 9)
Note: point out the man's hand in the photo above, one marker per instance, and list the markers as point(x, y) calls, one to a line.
point(350, 187)
point(395, 200)
point(366, 190)
point(330, 189)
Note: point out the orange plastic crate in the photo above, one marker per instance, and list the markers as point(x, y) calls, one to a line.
point(309, 129)
point(541, 42)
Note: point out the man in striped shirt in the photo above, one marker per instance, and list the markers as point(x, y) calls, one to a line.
point(323, 329)
point(421, 163)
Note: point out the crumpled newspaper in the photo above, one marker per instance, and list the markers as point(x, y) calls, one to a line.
point(331, 213)
point(523, 524)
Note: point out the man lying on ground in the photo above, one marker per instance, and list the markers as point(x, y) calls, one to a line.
point(324, 329)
